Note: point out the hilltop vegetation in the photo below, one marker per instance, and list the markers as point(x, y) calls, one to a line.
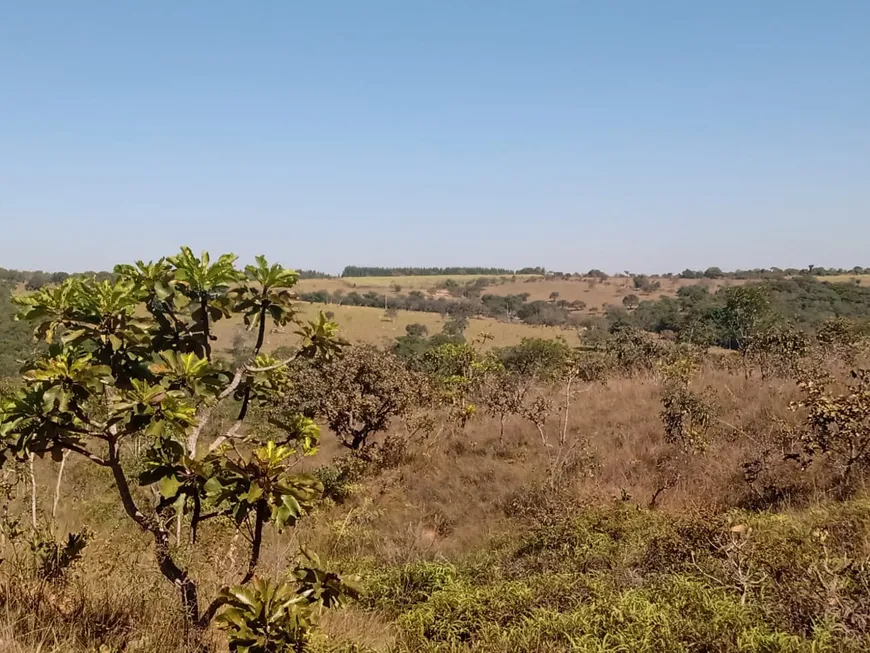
point(170, 479)
point(359, 271)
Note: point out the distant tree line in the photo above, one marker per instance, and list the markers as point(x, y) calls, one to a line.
point(36, 279)
point(771, 273)
point(313, 274)
point(360, 271)
point(703, 317)
point(694, 315)
point(503, 307)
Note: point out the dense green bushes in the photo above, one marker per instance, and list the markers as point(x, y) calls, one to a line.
point(617, 578)
point(16, 341)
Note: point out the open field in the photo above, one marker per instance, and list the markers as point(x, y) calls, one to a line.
point(364, 324)
point(862, 279)
point(596, 293)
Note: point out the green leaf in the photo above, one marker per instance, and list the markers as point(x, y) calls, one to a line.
point(168, 486)
point(243, 595)
point(254, 493)
point(213, 486)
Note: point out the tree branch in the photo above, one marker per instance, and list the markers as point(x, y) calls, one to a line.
point(170, 570)
point(256, 541)
point(204, 419)
point(94, 458)
point(230, 434)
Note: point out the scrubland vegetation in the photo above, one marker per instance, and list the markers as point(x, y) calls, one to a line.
point(686, 473)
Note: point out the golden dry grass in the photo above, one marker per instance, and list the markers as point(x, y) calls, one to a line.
point(863, 279)
point(365, 324)
point(596, 293)
point(454, 494)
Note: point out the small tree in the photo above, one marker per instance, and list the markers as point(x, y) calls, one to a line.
point(746, 312)
point(630, 301)
point(357, 395)
point(130, 363)
point(686, 413)
point(842, 339)
point(777, 350)
point(837, 425)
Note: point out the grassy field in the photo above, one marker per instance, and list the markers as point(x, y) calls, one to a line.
point(594, 292)
point(863, 279)
point(364, 324)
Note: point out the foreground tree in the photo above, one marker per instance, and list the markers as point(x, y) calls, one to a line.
point(129, 369)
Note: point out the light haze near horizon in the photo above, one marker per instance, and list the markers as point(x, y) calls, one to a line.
point(571, 135)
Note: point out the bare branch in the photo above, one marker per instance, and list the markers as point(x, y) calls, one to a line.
point(94, 458)
point(229, 435)
point(204, 419)
point(269, 368)
point(58, 485)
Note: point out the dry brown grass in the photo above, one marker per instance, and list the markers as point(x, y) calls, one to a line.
point(596, 293)
point(454, 494)
point(862, 279)
point(365, 324)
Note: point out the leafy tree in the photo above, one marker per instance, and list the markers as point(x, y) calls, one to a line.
point(747, 309)
point(536, 358)
point(837, 424)
point(686, 413)
point(457, 371)
point(630, 301)
point(632, 350)
point(778, 349)
point(713, 273)
point(357, 394)
point(841, 338)
point(129, 360)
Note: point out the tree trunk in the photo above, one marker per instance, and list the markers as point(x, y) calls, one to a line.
point(32, 493)
point(58, 485)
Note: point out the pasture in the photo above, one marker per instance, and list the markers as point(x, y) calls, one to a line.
point(369, 325)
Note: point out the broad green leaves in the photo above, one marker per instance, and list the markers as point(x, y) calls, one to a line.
point(261, 480)
point(266, 294)
point(131, 358)
point(277, 617)
point(198, 276)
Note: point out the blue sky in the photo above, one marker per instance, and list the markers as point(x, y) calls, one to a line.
point(649, 136)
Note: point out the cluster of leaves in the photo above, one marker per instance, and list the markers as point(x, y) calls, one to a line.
point(279, 617)
point(686, 413)
point(842, 339)
point(633, 351)
point(778, 350)
point(15, 338)
point(837, 424)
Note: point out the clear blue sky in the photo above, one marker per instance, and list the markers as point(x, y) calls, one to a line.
point(648, 136)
